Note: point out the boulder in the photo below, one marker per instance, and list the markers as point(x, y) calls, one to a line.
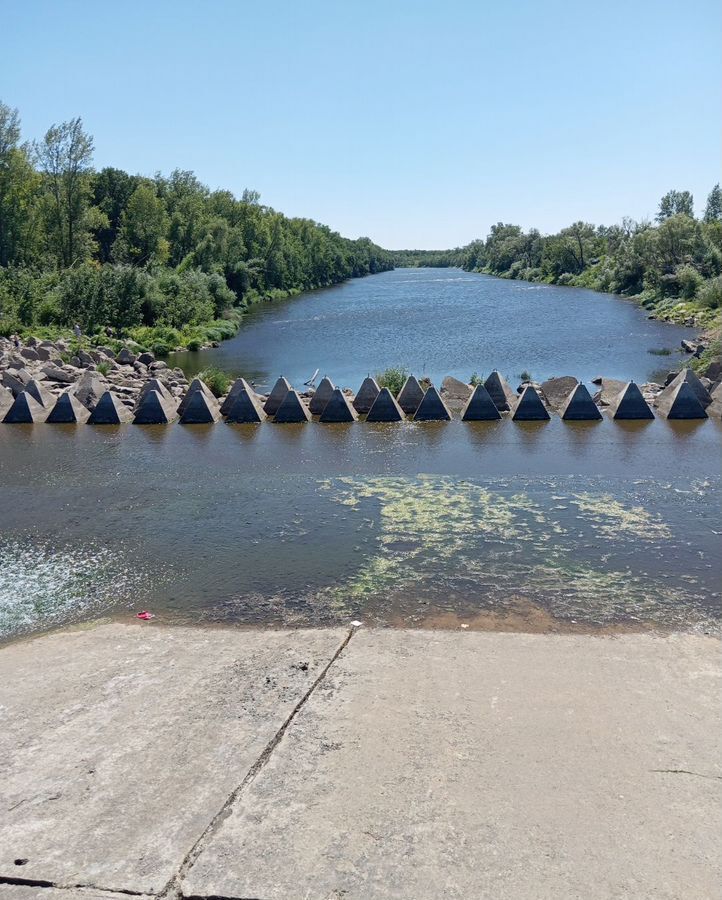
point(55, 373)
point(292, 409)
point(110, 410)
point(85, 359)
point(238, 386)
point(529, 407)
point(89, 389)
point(25, 411)
point(367, 393)
point(155, 409)
point(200, 410)
point(687, 376)
point(432, 408)
point(579, 406)
point(480, 407)
point(246, 408)
point(158, 366)
point(454, 389)
point(694, 347)
point(146, 358)
point(557, 391)
point(500, 392)
point(125, 357)
point(338, 409)
point(630, 404)
point(68, 410)
point(410, 395)
point(321, 396)
point(15, 382)
point(278, 394)
point(681, 402)
point(385, 408)
point(29, 353)
point(610, 389)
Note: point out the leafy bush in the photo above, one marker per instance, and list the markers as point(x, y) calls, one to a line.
point(392, 378)
point(476, 379)
point(194, 344)
point(709, 294)
point(217, 380)
point(103, 368)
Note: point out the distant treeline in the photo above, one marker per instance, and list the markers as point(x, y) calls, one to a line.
point(674, 265)
point(106, 248)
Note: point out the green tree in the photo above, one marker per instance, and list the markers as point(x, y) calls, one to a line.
point(19, 185)
point(713, 209)
point(675, 203)
point(143, 229)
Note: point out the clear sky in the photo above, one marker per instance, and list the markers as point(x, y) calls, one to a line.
point(418, 124)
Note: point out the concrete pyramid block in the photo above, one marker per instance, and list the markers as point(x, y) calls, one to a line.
point(25, 411)
point(630, 404)
point(714, 410)
point(155, 409)
point(278, 394)
point(193, 388)
point(246, 408)
point(385, 408)
point(240, 384)
point(500, 392)
point(155, 384)
point(367, 393)
point(410, 395)
point(338, 409)
point(110, 411)
point(432, 408)
point(681, 403)
point(6, 401)
point(41, 394)
point(321, 396)
point(68, 410)
point(579, 406)
point(200, 410)
point(292, 409)
point(689, 377)
point(480, 407)
point(529, 407)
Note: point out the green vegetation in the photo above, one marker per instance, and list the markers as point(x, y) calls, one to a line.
point(476, 379)
point(217, 381)
point(163, 261)
point(393, 379)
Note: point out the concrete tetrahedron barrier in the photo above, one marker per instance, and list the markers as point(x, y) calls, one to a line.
point(529, 407)
point(480, 407)
point(321, 396)
point(41, 394)
point(338, 409)
point(155, 384)
point(193, 388)
point(579, 406)
point(292, 409)
point(246, 409)
point(714, 410)
point(25, 411)
point(367, 393)
point(110, 411)
point(68, 410)
point(432, 408)
point(385, 408)
point(686, 376)
point(681, 403)
point(240, 384)
point(630, 404)
point(155, 409)
point(500, 392)
point(200, 410)
point(6, 401)
point(278, 394)
point(410, 395)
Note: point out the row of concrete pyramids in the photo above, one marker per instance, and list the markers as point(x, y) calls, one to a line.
point(684, 398)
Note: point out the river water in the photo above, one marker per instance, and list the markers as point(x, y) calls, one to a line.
point(491, 525)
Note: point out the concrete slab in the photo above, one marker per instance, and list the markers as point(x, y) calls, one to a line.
point(32, 892)
point(471, 765)
point(120, 743)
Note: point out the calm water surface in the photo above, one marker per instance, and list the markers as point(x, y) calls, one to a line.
point(439, 322)
point(550, 525)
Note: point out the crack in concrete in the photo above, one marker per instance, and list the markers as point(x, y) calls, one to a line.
point(687, 772)
point(41, 883)
point(173, 889)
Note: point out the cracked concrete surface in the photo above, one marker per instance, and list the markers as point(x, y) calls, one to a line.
point(265, 764)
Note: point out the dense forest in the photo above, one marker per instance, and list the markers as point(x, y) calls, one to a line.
point(162, 259)
point(674, 266)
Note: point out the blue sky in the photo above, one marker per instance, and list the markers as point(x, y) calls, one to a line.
point(418, 124)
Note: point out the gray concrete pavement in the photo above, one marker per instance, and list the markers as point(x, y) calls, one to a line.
point(421, 765)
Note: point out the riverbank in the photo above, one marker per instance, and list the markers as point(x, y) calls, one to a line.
point(373, 764)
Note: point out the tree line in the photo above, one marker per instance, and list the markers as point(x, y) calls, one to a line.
point(104, 248)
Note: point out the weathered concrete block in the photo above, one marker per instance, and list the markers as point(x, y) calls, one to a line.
point(367, 393)
point(25, 411)
point(292, 410)
point(155, 409)
point(278, 394)
point(579, 406)
point(480, 407)
point(557, 391)
point(681, 402)
point(155, 384)
point(200, 410)
point(432, 408)
point(246, 408)
point(89, 388)
point(68, 410)
point(500, 392)
point(410, 395)
point(529, 407)
point(196, 385)
point(41, 394)
point(321, 396)
point(385, 408)
point(240, 384)
point(714, 410)
point(338, 409)
point(110, 411)
point(686, 376)
point(6, 401)
point(630, 404)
